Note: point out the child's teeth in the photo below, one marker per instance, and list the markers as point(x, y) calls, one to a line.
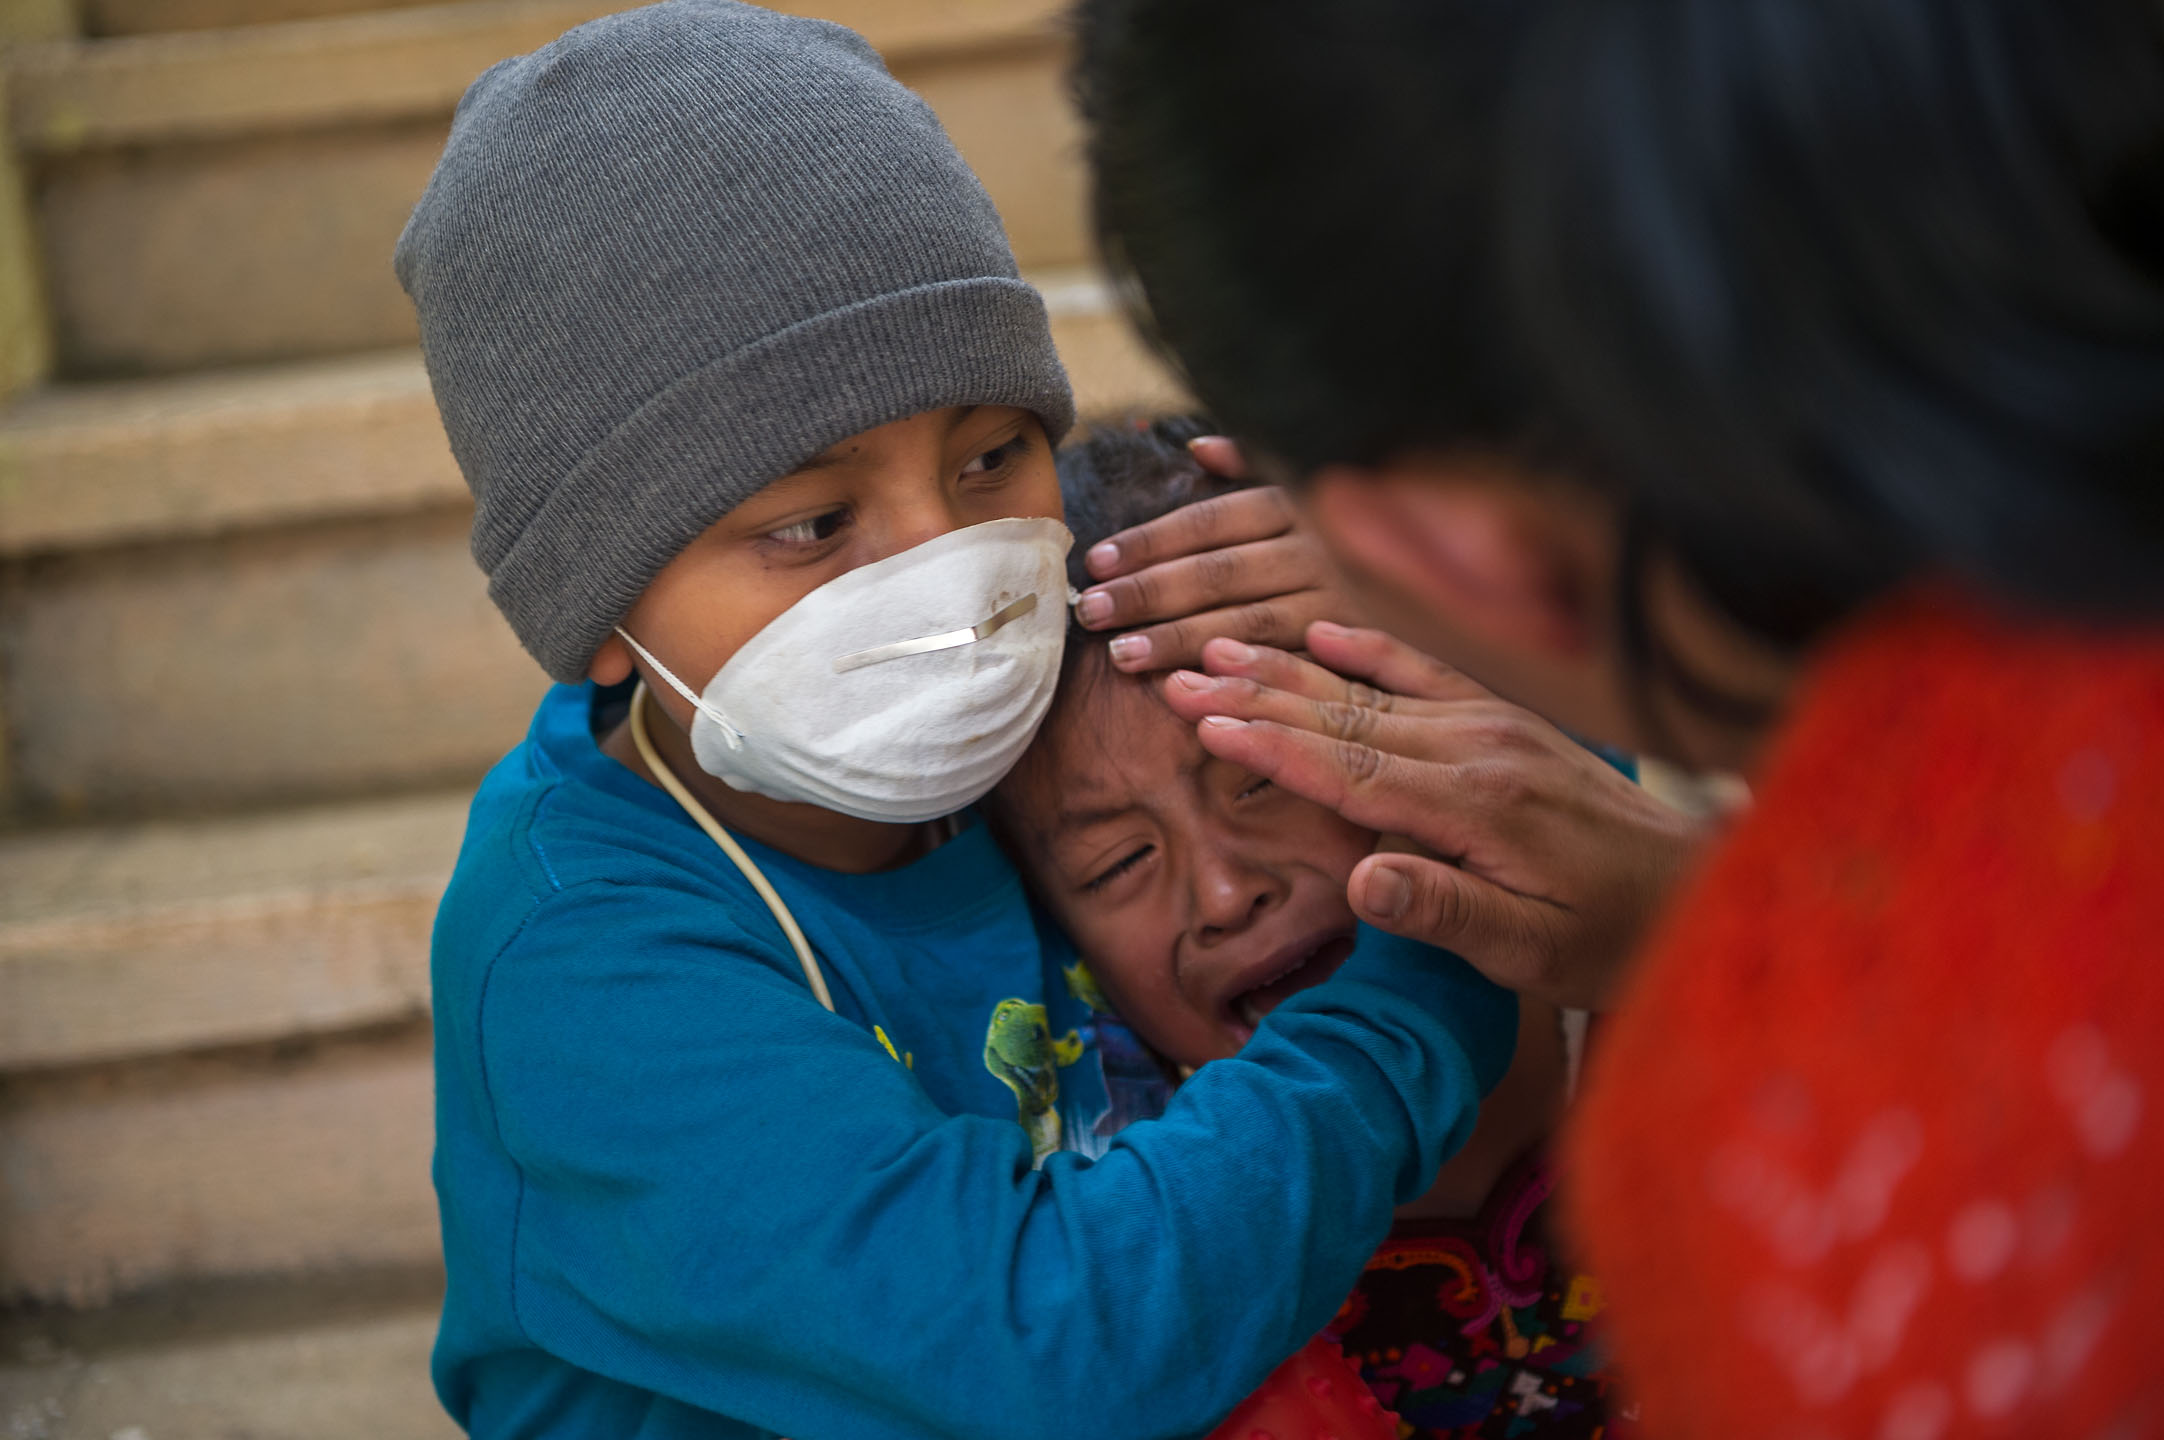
point(1249, 1013)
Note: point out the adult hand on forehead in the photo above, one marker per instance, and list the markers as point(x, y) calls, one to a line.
point(1542, 864)
point(1241, 565)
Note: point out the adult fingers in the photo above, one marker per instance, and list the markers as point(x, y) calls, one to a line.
point(1279, 620)
point(1239, 518)
point(1295, 674)
point(1220, 455)
point(1388, 663)
point(1425, 685)
point(1212, 580)
point(1506, 936)
point(1483, 732)
point(1194, 696)
point(1372, 787)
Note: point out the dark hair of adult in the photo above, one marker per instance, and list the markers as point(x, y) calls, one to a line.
point(1827, 293)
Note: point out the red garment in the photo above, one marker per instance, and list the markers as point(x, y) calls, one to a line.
point(1875, 1147)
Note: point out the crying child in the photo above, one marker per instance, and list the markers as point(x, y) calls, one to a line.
point(1200, 897)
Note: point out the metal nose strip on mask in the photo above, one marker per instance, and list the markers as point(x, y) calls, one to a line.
point(947, 640)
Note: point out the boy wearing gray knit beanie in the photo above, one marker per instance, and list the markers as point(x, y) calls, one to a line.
point(671, 258)
point(758, 1077)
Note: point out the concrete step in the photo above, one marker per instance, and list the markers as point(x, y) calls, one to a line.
point(233, 195)
point(142, 17)
point(329, 1358)
point(123, 942)
point(254, 588)
point(318, 74)
point(105, 463)
point(378, 62)
point(259, 669)
point(293, 1158)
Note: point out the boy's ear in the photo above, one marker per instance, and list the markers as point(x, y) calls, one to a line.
point(612, 662)
point(1499, 554)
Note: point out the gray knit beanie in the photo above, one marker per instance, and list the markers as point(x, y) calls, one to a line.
point(670, 257)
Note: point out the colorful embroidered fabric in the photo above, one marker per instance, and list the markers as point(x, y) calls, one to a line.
point(1478, 1329)
point(1874, 1146)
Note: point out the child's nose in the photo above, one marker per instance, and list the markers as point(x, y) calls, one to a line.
point(1230, 896)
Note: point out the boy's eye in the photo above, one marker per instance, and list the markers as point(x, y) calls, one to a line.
point(1118, 868)
point(998, 457)
point(812, 531)
point(1255, 789)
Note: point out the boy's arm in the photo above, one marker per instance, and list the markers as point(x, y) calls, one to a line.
point(736, 1199)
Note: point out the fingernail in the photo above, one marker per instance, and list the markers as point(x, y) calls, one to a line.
point(1131, 650)
point(1386, 893)
point(1223, 722)
point(1094, 608)
point(1325, 627)
point(1103, 556)
point(1192, 680)
point(1238, 654)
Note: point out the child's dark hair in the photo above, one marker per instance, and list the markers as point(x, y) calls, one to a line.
point(1124, 473)
point(1117, 474)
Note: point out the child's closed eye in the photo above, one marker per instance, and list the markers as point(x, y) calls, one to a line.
point(1261, 784)
point(1118, 868)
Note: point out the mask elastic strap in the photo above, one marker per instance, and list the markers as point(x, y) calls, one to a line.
point(806, 961)
point(698, 702)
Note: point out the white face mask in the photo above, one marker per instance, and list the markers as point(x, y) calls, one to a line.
point(900, 691)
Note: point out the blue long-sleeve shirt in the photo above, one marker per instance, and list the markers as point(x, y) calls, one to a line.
point(681, 1199)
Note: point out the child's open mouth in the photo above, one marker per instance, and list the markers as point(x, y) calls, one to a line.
point(1300, 966)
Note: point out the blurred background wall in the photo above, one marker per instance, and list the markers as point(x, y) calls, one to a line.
point(249, 674)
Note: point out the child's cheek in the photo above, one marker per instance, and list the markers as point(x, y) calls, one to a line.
point(1331, 843)
point(1133, 987)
